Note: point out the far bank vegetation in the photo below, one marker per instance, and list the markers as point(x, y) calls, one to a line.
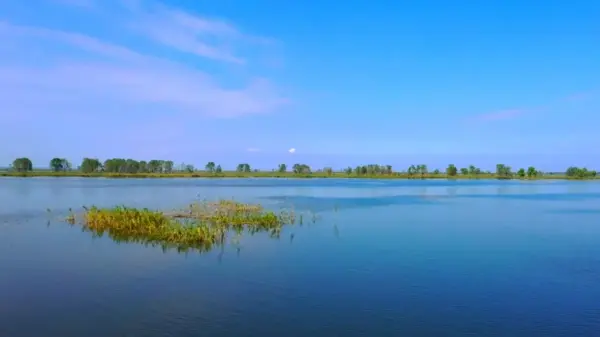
point(121, 167)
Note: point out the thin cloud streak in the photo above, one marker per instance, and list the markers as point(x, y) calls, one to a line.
point(501, 115)
point(582, 96)
point(520, 112)
point(82, 41)
point(78, 3)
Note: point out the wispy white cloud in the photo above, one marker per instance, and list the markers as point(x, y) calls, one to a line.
point(80, 70)
point(253, 149)
point(201, 36)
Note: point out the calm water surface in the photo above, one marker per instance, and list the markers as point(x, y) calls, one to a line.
point(397, 258)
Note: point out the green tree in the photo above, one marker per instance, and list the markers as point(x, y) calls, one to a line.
point(218, 169)
point(473, 170)
point(66, 165)
point(521, 173)
point(56, 164)
point(243, 168)
point(132, 166)
point(113, 165)
point(348, 170)
point(451, 170)
point(168, 166)
point(373, 169)
point(122, 165)
point(422, 169)
point(464, 171)
point(412, 170)
point(143, 166)
point(436, 172)
point(503, 171)
point(210, 166)
point(23, 164)
point(301, 169)
point(579, 173)
point(155, 166)
point(531, 172)
point(572, 171)
point(328, 171)
point(282, 168)
point(90, 165)
point(60, 164)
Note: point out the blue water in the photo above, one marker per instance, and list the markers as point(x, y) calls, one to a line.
point(385, 258)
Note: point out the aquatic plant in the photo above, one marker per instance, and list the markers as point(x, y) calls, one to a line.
point(200, 226)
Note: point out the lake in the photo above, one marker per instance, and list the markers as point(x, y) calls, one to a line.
point(385, 258)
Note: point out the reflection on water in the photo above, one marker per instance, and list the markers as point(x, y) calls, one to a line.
point(577, 210)
point(324, 204)
point(385, 258)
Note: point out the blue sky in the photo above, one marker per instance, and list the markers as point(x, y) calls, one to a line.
point(344, 83)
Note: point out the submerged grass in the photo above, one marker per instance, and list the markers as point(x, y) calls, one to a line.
point(200, 226)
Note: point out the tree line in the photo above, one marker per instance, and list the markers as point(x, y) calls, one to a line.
point(131, 166)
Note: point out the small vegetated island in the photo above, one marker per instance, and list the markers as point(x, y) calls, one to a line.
point(201, 226)
point(129, 168)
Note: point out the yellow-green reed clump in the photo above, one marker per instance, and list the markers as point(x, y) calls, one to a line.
point(200, 226)
point(237, 216)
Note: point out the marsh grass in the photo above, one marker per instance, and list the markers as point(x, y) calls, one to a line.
point(201, 226)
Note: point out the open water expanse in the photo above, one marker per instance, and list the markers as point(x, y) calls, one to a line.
point(385, 258)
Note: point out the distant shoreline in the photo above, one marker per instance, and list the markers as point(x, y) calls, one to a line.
point(337, 175)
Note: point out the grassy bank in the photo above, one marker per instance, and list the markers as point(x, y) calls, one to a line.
point(202, 174)
point(200, 226)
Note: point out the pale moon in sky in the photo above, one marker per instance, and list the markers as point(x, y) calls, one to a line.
point(292, 150)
